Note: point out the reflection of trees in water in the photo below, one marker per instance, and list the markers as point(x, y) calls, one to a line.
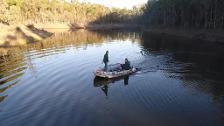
point(12, 68)
point(80, 38)
point(14, 61)
point(121, 35)
point(206, 57)
point(200, 65)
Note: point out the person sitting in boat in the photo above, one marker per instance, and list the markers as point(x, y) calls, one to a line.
point(126, 65)
point(106, 60)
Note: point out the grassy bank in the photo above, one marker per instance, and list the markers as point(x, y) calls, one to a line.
point(12, 35)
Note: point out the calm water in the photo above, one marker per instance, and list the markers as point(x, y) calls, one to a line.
point(51, 83)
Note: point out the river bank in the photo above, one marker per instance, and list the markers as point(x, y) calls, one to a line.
point(20, 34)
point(195, 34)
point(12, 35)
point(60, 27)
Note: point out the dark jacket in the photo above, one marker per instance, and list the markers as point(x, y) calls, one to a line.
point(126, 65)
point(105, 58)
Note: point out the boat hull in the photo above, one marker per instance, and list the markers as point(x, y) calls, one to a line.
point(114, 74)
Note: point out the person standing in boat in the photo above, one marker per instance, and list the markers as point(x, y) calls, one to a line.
point(106, 60)
point(126, 65)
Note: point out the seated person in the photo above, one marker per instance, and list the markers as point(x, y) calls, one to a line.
point(126, 65)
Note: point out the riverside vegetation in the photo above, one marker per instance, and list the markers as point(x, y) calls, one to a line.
point(15, 15)
point(206, 14)
point(33, 11)
point(159, 15)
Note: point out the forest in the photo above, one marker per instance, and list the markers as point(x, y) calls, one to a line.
point(200, 14)
point(60, 11)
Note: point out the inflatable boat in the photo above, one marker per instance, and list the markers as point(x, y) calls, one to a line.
point(114, 71)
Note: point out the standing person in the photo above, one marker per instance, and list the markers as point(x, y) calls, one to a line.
point(106, 60)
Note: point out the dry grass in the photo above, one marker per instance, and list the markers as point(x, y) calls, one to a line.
point(20, 34)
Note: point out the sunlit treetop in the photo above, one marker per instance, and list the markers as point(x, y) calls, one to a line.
point(118, 3)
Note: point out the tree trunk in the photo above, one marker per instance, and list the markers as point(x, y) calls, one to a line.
point(215, 12)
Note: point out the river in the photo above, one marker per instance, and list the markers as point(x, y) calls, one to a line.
point(51, 83)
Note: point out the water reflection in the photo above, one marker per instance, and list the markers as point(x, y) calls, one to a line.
point(51, 82)
point(16, 60)
point(105, 83)
point(206, 57)
point(200, 65)
point(2, 98)
point(12, 68)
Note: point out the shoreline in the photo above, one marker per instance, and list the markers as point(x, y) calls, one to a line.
point(112, 27)
point(216, 36)
point(40, 31)
point(193, 34)
point(86, 26)
point(14, 35)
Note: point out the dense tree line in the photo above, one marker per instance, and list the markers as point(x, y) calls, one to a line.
point(117, 15)
point(13, 11)
point(48, 11)
point(208, 14)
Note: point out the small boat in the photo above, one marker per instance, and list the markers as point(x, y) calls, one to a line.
point(114, 71)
